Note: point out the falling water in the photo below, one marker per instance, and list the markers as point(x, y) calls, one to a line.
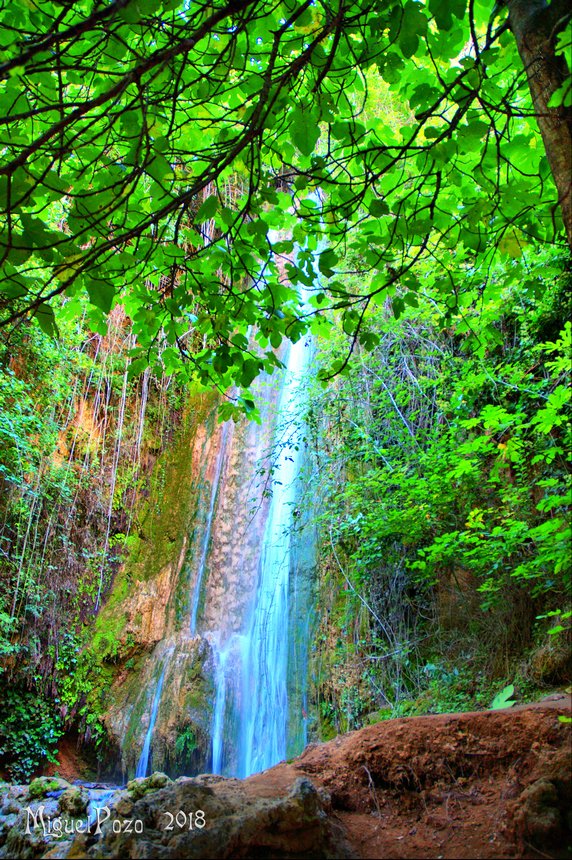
point(219, 709)
point(143, 762)
point(208, 528)
point(250, 715)
point(225, 680)
point(265, 669)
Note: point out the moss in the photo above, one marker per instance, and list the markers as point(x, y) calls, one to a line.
point(327, 731)
point(105, 641)
point(74, 802)
point(139, 787)
point(41, 786)
point(182, 588)
point(378, 716)
point(196, 699)
point(167, 509)
point(164, 518)
point(136, 696)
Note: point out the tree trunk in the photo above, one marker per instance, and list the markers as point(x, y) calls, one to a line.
point(535, 26)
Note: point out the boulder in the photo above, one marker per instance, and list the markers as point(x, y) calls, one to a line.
point(73, 802)
point(217, 818)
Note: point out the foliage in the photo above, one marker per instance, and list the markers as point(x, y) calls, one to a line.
point(450, 686)
point(7, 645)
point(154, 154)
point(561, 616)
point(29, 731)
point(444, 463)
point(186, 743)
point(74, 435)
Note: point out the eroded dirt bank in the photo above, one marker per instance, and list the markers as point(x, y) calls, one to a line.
point(491, 784)
point(477, 785)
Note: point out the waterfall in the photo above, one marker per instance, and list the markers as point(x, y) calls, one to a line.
point(250, 673)
point(219, 709)
point(265, 700)
point(208, 528)
point(143, 763)
point(233, 599)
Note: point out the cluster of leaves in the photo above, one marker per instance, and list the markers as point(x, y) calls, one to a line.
point(186, 743)
point(521, 445)
point(33, 717)
point(152, 152)
point(450, 686)
point(35, 384)
point(445, 462)
point(29, 731)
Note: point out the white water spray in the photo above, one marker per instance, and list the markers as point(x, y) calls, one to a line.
point(143, 763)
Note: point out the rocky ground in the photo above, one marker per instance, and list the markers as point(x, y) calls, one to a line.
point(494, 784)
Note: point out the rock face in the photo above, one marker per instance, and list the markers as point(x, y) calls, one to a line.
point(214, 817)
point(543, 812)
point(145, 621)
point(184, 705)
point(183, 601)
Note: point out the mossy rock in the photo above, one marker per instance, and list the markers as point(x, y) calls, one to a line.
point(74, 802)
point(197, 699)
point(552, 662)
point(538, 817)
point(41, 786)
point(140, 786)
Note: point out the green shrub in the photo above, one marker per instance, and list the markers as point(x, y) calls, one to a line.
point(29, 732)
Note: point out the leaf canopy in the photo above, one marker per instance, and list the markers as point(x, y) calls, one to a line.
point(168, 155)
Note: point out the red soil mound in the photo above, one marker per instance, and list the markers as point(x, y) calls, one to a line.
point(491, 784)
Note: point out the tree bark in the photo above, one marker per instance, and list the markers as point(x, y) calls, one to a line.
point(535, 26)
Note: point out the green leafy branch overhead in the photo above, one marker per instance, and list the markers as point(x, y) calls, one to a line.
point(171, 156)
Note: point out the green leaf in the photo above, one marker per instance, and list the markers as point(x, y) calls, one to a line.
point(136, 367)
point(208, 209)
point(413, 26)
point(562, 96)
point(327, 261)
point(44, 315)
point(159, 168)
point(101, 294)
point(304, 130)
point(378, 208)
point(398, 306)
point(503, 699)
point(250, 371)
point(443, 11)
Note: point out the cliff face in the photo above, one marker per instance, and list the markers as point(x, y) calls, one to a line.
point(174, 630)
point(131, 546)
point(146, 619)
point(78, 440)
